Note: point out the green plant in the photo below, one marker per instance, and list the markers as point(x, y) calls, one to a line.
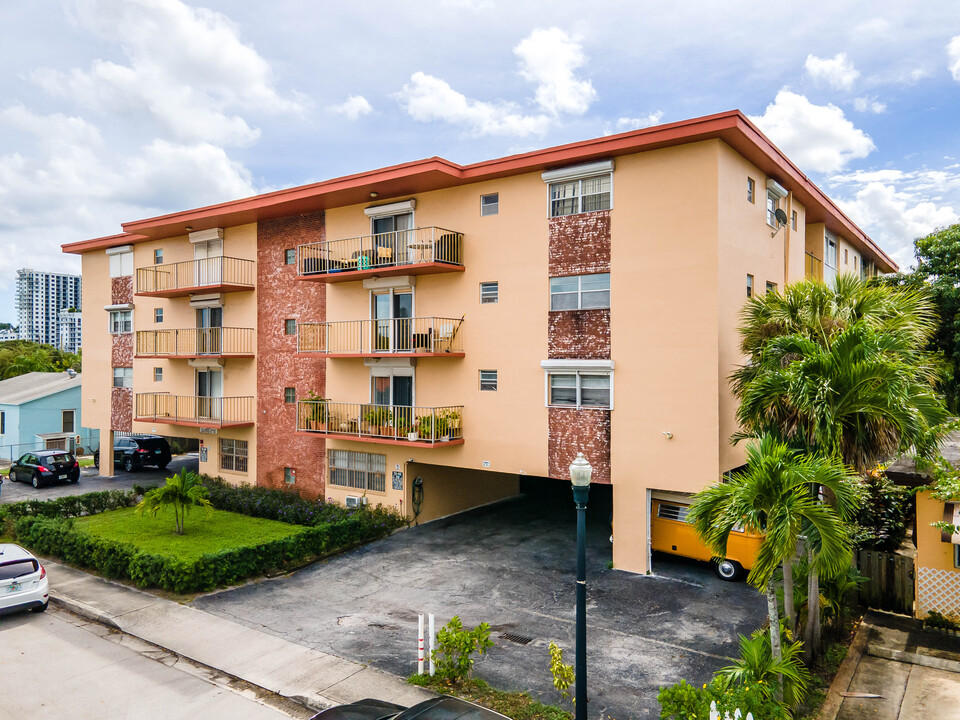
point(684, 701)
point(563, 676)
point(182, 491)
point(937, 620)
point(881, 521)
point(316, 410)
point(425, 426)
point(456, 646)
point(402, 423)
point(757, 666)
point(378, 416)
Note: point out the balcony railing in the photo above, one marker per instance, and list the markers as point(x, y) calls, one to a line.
point(396, 336)
point(195, 410)
point(420, 251)
point(216, 274)
point(195, 342)
point(381, 423)
point(813, 268)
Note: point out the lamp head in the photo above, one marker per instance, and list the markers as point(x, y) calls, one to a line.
point(580, 471)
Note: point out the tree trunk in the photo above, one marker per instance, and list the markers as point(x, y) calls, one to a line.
point(789, 611)
point(773, 615)
point(811, 634)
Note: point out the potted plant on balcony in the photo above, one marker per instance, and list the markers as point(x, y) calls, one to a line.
point(315, 413)
point(447, 420)
point(425, 427)
point(402, 424)
point(379, 418)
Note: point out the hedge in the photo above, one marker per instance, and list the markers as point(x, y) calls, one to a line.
point(71, 505)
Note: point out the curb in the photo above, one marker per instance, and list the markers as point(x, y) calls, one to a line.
point(915, 659)
point(83, 610)
point(841, 681)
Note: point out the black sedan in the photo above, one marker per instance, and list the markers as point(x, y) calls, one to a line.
point(439, 708)
point(42, 467)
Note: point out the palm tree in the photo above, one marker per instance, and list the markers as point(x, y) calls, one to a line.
point(756, 666)
point(182, 491)
point(771, 496)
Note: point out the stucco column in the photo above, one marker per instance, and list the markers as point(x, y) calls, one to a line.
point(106, 452)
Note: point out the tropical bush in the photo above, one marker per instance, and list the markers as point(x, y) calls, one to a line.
point(756, 666)
point(182, 492)
point(456, 646)
point(71, 505)
point(881, 522)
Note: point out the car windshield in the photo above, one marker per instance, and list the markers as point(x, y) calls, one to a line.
point(60, 458)
point(17, 568)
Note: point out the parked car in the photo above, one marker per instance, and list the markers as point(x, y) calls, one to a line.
point(42, 467)
point(132, 452)
point(439, 708)
point(23, 581)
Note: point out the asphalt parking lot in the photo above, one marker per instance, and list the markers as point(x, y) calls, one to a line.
point(90, 481)
point(511, 565)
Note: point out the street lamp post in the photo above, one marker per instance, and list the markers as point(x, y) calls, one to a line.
point(580, 472)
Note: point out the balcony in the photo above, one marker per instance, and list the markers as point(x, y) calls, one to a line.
point(391, 424)
point(198, 411)
point(397, 337)
point(207, 275)
point(422, 251)
point(813, 267)
point(216, 342)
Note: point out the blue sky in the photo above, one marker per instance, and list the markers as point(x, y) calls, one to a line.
point(115, 110)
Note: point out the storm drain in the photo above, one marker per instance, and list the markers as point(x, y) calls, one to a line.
point(518, 639)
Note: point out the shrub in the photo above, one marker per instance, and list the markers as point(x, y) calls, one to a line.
point(686, 702)
point(71, 505)
point(881, 521)
point(563, 675)
point(938, 620)
point(455, 648)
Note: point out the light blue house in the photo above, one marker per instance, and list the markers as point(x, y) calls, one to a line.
point(41, 410)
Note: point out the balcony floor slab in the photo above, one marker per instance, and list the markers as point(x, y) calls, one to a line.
point(339, 276)
point(379, 440)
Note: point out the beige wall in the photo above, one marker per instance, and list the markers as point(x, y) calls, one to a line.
point(937, 579)
point(97, 345)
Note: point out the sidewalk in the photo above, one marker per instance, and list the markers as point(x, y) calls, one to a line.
point(913, 673)
point(315, 679)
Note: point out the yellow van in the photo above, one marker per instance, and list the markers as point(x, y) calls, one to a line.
point(671, 533)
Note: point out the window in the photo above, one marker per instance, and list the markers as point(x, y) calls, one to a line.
point(289, 395)
point(3, 423)
point(488, 380)
point(854, 262)
point(490, 204)
point(158, 256)
point(158, 374)
point(158, 315)
point(793, 220)
point(771, 287)
point(68, 423)
point(289, 476)
point(121, 264)
point(290, 256)
point(121, 321)
point(360, 470)
point(289, 327)
point(578, 389)
point(751, 190)
point(749, 286)
point(233, 455)
point(580, 292)
point(773, 204)
point(580, 196)
point(123, 377)
point(846, 257)
point(669, 511)
point(489, 292)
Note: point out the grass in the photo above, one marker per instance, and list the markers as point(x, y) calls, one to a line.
point(516, 705)
point(204, 534)
point(85, 461)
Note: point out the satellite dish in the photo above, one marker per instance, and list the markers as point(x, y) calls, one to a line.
point(781, 217)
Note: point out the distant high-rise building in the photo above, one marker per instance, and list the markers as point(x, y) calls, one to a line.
point(40, 298)
point(68, 333)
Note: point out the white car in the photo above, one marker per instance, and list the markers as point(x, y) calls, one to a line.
point(23, 581)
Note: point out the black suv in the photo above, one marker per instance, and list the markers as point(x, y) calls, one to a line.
point(132, 452)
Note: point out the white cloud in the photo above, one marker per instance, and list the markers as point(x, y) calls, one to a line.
point(867, 104)
point(817, 138)
point(953, 53)
point(549, 57)
point(354, 107)
point(837, 72)
point(625, 124)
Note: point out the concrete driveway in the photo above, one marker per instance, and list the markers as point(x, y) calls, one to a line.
point(91, 481)
point(513, 566)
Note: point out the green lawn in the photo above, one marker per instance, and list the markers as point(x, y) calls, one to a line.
point(204, 534)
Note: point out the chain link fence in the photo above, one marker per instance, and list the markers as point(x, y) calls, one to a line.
point(81, 444)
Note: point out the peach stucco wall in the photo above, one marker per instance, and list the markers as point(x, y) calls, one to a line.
point(937, 579)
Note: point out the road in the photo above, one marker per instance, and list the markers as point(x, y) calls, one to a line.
point(90, 481)
point(56, 665)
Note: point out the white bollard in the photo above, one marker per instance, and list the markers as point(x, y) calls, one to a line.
point(420, 647)
point(432, 669)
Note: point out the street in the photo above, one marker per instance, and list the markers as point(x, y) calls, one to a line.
point(56, 665)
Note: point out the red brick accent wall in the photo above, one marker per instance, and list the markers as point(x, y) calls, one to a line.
point(580, 244)
point(574, 430)
point(122, 350)
point(121, 290)
point(281, 296)
point(582, 334)
point(121, 409)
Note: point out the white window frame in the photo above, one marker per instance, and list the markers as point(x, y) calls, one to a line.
point(158, 374)
point(751, 190)
point(577, 174)
point(358, 469)
point(158, 256)
point(118, 314)
point(749, 285)
point(578, 367)
point(489, 208)
point(488, 297)
point(73, 420)
point(392, 371)
point(125, 376)
point(773, 204)
point(158, 315)
point(793, 220)
point(120, 261)
point(488, 378)
point(579, 292)
point(238, 456)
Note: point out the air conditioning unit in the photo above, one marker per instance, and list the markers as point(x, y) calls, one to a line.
point(354, 501)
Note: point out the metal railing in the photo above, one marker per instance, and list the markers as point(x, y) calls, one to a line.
point(194, 342)
point(813, 267)
point(205, 272)
point(397, 422)
point(195, 409)
point(400, 247)
point(395, 335)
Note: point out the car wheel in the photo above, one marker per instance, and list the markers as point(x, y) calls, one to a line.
point(13, 476)
point(162, 466)
point(96, 460)
point(40, 609)
point(729, 570)
point(128, 464)
point(36, 480)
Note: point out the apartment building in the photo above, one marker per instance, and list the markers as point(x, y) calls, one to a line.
point(69, 330)
point(424, 335)
point(40, 298)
